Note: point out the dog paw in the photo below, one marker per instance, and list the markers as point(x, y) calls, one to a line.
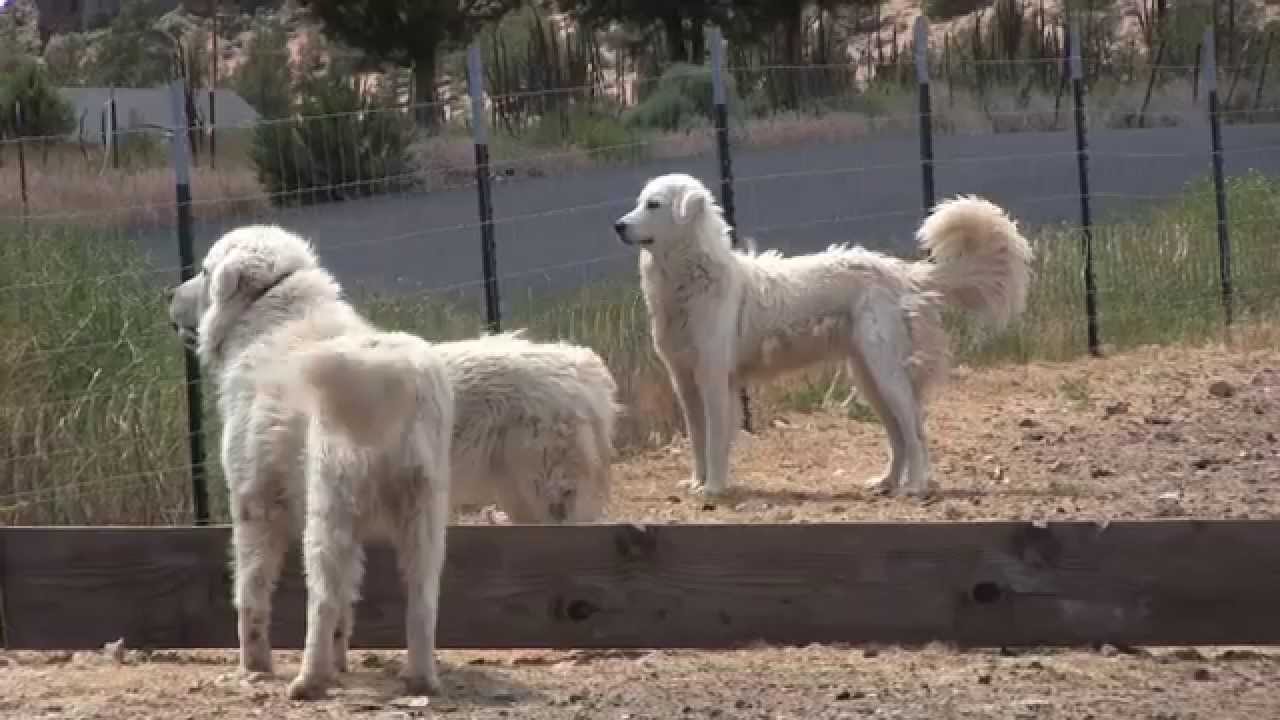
point(879, 485)
point(306, 687)
point(691, 483)
point(707, 491)
point(917, 492)
point(421, 683)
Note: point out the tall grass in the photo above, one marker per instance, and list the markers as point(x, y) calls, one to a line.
point(92, 405)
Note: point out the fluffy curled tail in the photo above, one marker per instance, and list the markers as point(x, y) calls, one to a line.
point(366, 387)
point(981, 262)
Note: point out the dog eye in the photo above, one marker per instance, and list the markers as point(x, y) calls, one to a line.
point(653, 204)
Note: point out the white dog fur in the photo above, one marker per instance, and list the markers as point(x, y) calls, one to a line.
point(329, 427)
point(720, 318)
point(532, 423)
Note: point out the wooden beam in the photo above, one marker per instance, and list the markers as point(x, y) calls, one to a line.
point(694, 586)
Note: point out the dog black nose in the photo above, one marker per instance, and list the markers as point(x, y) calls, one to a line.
point(620, 228)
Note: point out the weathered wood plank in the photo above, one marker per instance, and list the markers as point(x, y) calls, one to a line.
point(700, 586)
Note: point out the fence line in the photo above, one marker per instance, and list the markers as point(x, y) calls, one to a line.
point(337, 161)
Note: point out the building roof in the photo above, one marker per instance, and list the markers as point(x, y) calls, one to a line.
point(137, 107)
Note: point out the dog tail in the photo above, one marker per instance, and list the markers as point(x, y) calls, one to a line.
point(980, 261)
point(368, 388)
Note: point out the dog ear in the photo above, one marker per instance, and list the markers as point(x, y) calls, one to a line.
point(691, 202)
point(239, 273)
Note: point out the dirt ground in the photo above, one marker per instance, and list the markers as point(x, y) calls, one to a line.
point(1156, 432)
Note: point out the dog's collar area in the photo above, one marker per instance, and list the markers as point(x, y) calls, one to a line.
point(269, 287)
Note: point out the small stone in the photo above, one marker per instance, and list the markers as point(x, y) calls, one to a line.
point(1117, 408)
point(1101, 472)
point(844, 695)
point(1222, 389)
point(1169, 504)
point(708, 507)
point(1202, 675)
point(115, 650)
point(871, 652)
point(1109, 650)
point(1028, 423)
point(984, 679)
point(673, 499)
point(416, 701)
point(1158, 420)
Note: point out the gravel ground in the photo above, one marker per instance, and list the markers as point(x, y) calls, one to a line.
point(1155, 432)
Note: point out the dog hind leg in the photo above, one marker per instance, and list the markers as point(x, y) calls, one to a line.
point(882, 346)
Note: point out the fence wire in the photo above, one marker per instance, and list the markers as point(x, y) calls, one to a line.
point(93, 412)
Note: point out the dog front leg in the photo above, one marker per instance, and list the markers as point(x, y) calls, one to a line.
point(695, 424)
point(718, 415)
point(260, 538)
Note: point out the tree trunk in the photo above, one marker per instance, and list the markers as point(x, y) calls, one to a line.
point(677, 51)
point(793, 50)
point(425, 111)
point(698, 39)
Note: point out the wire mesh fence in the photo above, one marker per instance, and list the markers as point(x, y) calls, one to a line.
point(93, 423)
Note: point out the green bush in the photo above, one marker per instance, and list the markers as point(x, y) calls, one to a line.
point(342, 141)
point(600, 133)
point(44, 111)
point(682, 99)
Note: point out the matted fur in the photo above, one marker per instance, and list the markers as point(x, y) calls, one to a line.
point(533, 422)
point(331, 430)
point(720, 317)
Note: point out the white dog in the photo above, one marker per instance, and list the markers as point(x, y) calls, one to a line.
point(329, 427)
point(720, 318)
point(532, 430)
point(535, 426)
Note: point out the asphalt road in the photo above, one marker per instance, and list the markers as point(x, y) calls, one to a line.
point(554, 233)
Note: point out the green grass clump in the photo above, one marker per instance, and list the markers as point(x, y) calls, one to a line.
point(93, 406)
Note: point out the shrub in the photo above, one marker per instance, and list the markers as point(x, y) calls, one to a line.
point(681, 99)
point(343, 141)
point(44, 111)
point(598, 132)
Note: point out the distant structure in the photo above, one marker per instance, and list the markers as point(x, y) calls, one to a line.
point(143, 107)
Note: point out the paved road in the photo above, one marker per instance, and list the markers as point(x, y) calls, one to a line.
point(554, 233)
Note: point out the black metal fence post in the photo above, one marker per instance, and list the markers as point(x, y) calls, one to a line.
point(115, 131)
point(1209, 82)
point(926, 113)
point(1086, 213)
point(195, 402)
point(480, 134)
point(720, 101)
point(22, 160)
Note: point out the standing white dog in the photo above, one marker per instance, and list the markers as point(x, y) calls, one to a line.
point(720, 318)
point(532, 423)
point(329, 427)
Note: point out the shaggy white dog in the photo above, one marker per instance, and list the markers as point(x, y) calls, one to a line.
point(532, 423)
point(720, 318)
point(329, 427)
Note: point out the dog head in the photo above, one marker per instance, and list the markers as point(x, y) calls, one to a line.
point(242, 267)
point(669, 206)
